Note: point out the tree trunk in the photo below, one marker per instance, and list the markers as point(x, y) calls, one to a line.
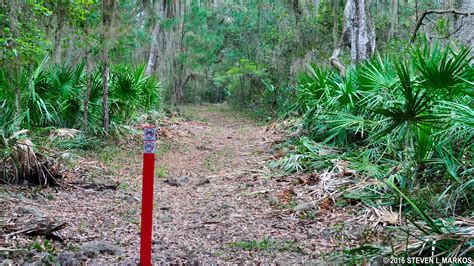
point(362, 32)
point(466, 24)
point(88, 83)
point(343, 41)
point(14, 68)
point(416, 10)
point(107, 12)
point(316, 5)
point(153, 51)
point(297, 10)
point(155, 36)
point(105, 85)
point(58, 35)
point(358, 32)
point(179, 67)
point(335, 25)
point(88, 90)
point(393, 19)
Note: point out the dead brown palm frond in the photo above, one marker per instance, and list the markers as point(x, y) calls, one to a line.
point(330, 184)
point(367, 182)
point(23, 163)
point(430, 243)
point(382, 216)
point(67, 133)
point(455, 238)
point(62, 134)
point(24, 158)
point(343, 168)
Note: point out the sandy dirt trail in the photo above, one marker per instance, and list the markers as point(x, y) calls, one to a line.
point(215, 201)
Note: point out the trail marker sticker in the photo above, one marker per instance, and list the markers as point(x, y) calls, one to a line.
point(149, 133)
point(149, 146)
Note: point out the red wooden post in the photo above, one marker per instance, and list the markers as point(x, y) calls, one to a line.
point(147, 194)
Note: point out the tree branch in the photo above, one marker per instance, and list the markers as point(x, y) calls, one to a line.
point(343, 41)
point(439, 12)
point(334, 60)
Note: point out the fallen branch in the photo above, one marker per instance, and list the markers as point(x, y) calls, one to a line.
point(95, 186)
point(439, 12)
point(2, 249)
point(41, 228)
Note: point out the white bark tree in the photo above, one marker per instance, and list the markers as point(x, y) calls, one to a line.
point(159, 9)
point(466, 24)
point(358, 33)
point(362, 31)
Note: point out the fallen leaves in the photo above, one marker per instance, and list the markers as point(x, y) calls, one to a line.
point(193, 222)
point(286, 196)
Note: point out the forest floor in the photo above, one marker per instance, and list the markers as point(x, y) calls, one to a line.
point(215, 201)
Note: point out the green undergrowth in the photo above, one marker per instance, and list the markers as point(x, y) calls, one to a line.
point(403, 130)
point(49, 114)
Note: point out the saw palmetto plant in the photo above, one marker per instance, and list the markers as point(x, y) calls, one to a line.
point(53, 97)
point(412, 118)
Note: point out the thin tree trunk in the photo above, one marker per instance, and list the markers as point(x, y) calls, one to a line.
point(14, 68)
point(155, 36)
point(335, 25)
point(393, 19)
point(316, 5)
point(58, 36)
point(257, 38)
point(416, 10)
point(105, 85)
point(88, 91)
point(343, 41)
point(180, 83)
point(107, 12)
point(153, 51)
point(297, 10)
point(88, 84)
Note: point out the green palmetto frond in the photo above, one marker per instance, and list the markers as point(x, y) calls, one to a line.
point(442, 68)
point(97, 91)
point(38, 110)
point(62, 82)
point(376, 74)
point(124, 93)
point(345, 94)
point(341, 124)
point(311, 88)
point(413, 111)
point(419, 211)
point(456, 113)
point(149, 89)
point(124, 87)
point(132, 90)
point(60, 89)
point(150, 94)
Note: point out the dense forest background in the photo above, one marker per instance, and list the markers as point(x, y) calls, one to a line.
point(204, 50)
point(377, 91)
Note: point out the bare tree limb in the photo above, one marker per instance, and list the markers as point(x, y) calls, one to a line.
point(343, 41)
point(439, 12)
point(334, 60)
point(451, 33)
